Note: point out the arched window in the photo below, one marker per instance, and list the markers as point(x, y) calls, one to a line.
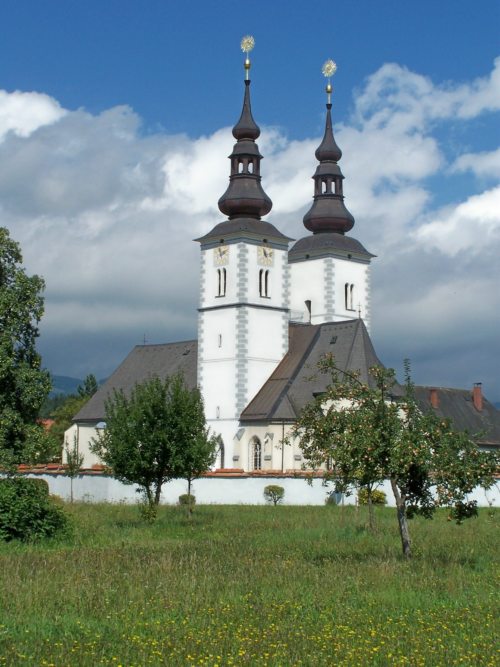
point(221, 282)
point(264, 283)
point(256, 454)
point(350, 296)
point(250, 167)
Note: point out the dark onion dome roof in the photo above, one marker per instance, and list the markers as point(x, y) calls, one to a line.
point(245, 195)
point(245, 228)
point(326, 244)
point(328, 213)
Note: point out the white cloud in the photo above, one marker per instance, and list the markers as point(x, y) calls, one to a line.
point(471, 226)
point(23, 113)
point(107, 216)
point(485, 164)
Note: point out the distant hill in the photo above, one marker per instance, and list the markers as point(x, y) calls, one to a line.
point(62, 384)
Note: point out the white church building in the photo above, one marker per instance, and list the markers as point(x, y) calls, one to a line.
point(269, 309)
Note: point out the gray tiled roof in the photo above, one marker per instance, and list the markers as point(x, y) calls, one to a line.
point(144, 362)
point(296, 380)
point(457, 405)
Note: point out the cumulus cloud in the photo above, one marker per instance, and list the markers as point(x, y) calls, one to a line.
point(23, 113)
point(107, 214)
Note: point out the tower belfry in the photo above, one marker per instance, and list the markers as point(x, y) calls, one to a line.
point(329, 270)
point(244, 311)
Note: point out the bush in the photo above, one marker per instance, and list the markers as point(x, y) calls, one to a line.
point(274, 493)
point(378, 497)
point(187, 499)
point(27, 512)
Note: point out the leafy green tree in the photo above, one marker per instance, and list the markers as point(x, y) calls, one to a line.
point(274, 493)
point(23, 383)
point(74, 462)
point(88, 388)
point(364, 434)
point(155, 435)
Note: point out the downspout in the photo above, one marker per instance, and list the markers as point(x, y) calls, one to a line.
point(282, 445)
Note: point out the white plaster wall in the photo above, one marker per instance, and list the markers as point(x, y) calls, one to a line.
point(276, 275)
point(222, 491)
point(82, 436)
point(219, 389)
point(307, 283)
point(353, 273)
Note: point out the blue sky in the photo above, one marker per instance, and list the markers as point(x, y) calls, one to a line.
point(112, 112)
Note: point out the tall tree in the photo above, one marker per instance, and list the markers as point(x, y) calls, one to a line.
point(365, 434)
point(88, 388)
point(155, 435)
point(23, 383)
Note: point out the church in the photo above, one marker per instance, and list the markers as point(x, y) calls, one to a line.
point(269, 309)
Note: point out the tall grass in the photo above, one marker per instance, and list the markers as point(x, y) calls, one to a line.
point(251, 586)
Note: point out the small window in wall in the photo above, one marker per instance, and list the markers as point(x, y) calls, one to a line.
point(264, 283)
point(350, 296)
point(219, 340)
point(221, 282)
point(256, 454)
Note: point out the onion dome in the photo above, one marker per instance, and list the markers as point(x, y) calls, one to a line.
point(245, 196)
point(328, 213)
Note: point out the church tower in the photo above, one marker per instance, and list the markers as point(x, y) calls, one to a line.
point(329, 270)
point(244, 290)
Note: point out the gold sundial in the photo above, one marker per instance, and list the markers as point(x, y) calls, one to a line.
point(247, 44)
point(329, 68)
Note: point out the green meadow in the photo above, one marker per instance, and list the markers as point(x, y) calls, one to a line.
point(243, 585)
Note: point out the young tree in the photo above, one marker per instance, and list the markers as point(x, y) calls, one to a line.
point(23, 383)
point(74, 462)
point(365, 434)
point(155, 435)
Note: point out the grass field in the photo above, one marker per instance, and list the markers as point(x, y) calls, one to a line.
point(252, 586)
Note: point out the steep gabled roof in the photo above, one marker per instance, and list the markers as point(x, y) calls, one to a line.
point(297, 380)
point(458, 406)
point(143, 363)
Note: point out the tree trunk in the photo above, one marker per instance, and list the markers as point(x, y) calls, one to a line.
point(402, 520)
point(71, 489)
point(371, 515)
point(157, 493)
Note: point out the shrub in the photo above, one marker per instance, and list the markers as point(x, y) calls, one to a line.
point(27, 512)
point(378, 497)
point(274, 493)
point(187, 499)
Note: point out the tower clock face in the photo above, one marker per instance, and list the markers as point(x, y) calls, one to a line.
point(265, 255)
point(221, 255)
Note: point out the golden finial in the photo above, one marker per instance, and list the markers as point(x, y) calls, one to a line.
point(329, 68)
point(247, 44)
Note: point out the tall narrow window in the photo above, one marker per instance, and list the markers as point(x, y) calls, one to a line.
point(264, 283)
point(349, 293)
point(221, 282)
point(256, 453)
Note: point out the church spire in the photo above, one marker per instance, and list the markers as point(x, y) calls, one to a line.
point(244, 196)
point(328, 212)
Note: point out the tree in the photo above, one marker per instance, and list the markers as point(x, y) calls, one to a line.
point(274, 493)
point(74, 462)
point(23, 383)
point(88, 388)
point(155, 435)
point(365, 434)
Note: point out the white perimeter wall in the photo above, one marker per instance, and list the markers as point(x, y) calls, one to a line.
point(221, 491)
